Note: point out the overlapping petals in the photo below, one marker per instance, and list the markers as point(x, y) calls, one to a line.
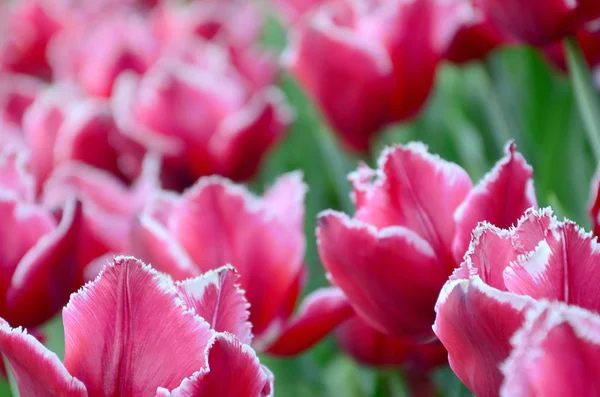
point(504, 286)
point(364, 66)
point(412, 219)
point(119, 341)
point(39, 257)
point(540, 22)
point(199, 112)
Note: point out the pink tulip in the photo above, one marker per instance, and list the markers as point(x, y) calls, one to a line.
point(216, 222)
point(39, 256)
point(413, 219)
point(133, 332)
point(505, 274)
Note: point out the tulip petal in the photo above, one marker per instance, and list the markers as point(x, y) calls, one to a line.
point(216, 297)
point(564, 267)
point(320, 312)
point(595, 204)
point(402, 196)
point(500, 198)
point(233, 370)
point(371, 347)
point(48, 274)
point(15, 179)
point(392, 276)
point(217, 223)
point(475, 323)
point(38, 371)
point(127, 333)
point(556, 353)
point(286, 198)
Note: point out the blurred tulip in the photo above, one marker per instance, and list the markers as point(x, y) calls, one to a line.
point(121, 41)
point(506, 273)
point(412, 226)
point(201, 114)
point(594, 208)
point(119, 340)
point(61, 125)
point(556, 353)
point(39, 257)
point(539, 22)
point(17, 93)
point(589, 41)
point(369, 64)
point(26, 27)
point(215, 222)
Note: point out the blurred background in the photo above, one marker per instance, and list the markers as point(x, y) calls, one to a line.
point(473, 110)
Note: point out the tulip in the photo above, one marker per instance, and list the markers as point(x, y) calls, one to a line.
point(119, 340)
point(17, 93)
point(369, 64)
point(539, 22)
point(196, 110)
point(589, 42)
point(216, 222)
point(26, 27)
point(594, 208)
point(122, 40)
point(505, 274)
point(38, 255)
point(62, 125)
point(413, 219)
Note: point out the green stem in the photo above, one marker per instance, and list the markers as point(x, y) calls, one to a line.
point(495, 108)
point(12, 382)
point(587, 100)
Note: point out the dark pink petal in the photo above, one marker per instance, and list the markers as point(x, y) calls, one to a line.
point(127, 333)
point(47, 275)
point(324, 57)
point(216, 297)
point(493, 249)
point(15, 178)
point(233, 370)
point(556, 353)
point(392, 281)
point(37, 370)
point(370, 347)
point(419, 191)
point(475, 323)
point(563, 267)
point(500, 198)
point(245, 136)
point(321, 312)
point(595, 204)
point(218, 223)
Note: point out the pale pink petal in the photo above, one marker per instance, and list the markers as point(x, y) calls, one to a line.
point(233, 370)
point(127, 333)
point(321, 312)
point(218, 223)
point(15, 178)
point(50, 271)
point(392, 277)
point(17, 93)
point(286, 197)
point(216, 297)
point(419, 191)
point(38, 371)
point(556, 353)
point(500, 198)
point(475, 323)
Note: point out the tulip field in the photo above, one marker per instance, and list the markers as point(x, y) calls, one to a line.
point(341, 198)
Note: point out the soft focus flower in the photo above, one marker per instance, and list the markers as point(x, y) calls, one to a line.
point(63, 125)
point(594, 209)
point(201, 114)
point(134, 332)
point(26, 27)
point(539, 22)
point(17, 93)
point(38, 255)
point(412, 225)
point(215, 222)
point(121, 41)
point(505, 274)
point(368, 65)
